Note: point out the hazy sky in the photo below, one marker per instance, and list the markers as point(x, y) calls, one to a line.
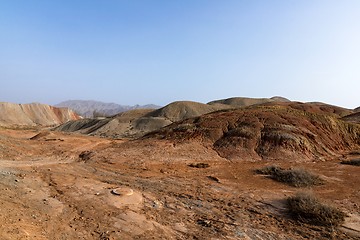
point(152, 51)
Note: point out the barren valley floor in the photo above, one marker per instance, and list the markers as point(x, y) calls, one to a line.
point(69, 186)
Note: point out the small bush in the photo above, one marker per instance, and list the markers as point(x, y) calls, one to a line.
point(86, 155)
point(269, 170)
point(199, 165)
point(355, 162)
point(292, 177)
point(307, 208)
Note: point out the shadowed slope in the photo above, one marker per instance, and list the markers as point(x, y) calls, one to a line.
point(126, 124)
point(355, 117)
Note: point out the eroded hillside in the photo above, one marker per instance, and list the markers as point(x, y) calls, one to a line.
point(280, 131)
point(34, 114)
point(136, 123)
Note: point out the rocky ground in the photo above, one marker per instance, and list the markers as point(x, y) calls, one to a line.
point(68, 186)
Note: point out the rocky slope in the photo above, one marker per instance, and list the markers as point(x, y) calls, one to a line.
point(269, 131)
point(34, 114)
point(354, 117)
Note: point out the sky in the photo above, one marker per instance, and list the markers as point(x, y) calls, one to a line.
point(159, 51)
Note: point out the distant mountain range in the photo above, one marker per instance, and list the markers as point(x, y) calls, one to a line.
point(90, 108)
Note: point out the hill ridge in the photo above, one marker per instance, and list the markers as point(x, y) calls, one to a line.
point(34, 114)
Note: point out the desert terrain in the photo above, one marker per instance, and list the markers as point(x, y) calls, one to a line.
point(191, 176)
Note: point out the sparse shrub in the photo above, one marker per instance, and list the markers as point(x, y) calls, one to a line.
point(293, 177)
point(199, 165)
point(355, 162)
point(86, 155)
point(269, 170)
point(306, 207)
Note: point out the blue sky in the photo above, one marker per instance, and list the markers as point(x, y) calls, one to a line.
point(152, 51)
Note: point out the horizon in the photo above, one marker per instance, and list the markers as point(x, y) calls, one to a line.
point(158, 52)
point(132, 105)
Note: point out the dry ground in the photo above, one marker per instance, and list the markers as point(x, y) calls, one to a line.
point(49, 192)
